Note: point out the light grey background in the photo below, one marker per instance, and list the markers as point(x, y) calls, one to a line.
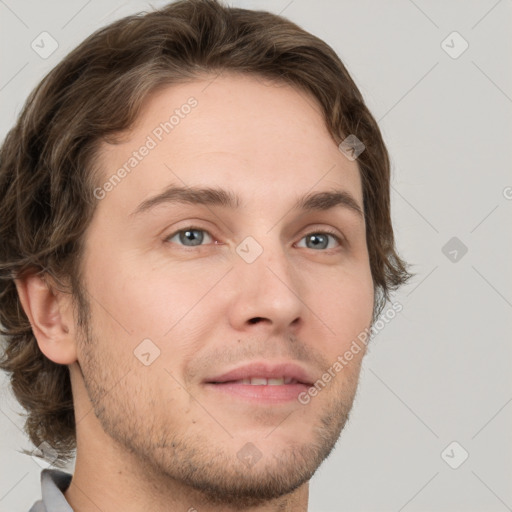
point(440, 370)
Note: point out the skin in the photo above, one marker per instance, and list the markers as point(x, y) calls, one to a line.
point(154, 437)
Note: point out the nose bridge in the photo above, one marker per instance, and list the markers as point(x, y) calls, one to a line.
point(264, 256)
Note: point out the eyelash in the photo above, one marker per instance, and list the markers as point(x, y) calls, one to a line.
point(325, 231)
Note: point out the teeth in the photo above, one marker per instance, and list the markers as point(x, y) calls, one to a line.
point(261, 381)
point(258, 381)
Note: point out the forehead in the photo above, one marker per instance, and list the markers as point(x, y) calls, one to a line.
point(258, 136)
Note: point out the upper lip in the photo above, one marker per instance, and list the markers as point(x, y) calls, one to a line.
point(264, 369)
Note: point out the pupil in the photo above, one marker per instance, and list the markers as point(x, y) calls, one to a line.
point(192, 235)
point(318, 240)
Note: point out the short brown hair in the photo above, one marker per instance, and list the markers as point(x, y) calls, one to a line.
point(96, 92)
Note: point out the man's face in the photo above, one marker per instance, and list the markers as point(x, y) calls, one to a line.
point(212, 288)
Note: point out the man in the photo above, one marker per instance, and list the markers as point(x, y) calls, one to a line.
point(196, 225)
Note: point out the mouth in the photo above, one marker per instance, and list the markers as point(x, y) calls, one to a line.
point(262, 383)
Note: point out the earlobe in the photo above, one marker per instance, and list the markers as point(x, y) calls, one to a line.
point(50, 315)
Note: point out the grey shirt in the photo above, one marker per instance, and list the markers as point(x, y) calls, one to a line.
point(53, 484)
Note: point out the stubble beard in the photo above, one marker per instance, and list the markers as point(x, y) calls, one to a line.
point(192, 462)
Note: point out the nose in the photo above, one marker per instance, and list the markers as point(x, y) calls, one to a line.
point(267, 291)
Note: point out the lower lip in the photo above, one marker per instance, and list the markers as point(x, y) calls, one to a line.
point(260, 394)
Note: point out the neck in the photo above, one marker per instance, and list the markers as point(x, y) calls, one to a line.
point(99, 484)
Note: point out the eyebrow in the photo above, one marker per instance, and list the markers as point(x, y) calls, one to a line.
point(315, 201)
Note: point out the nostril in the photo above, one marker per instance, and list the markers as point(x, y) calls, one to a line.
point(256, 319)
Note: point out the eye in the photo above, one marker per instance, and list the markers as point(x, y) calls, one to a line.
point(193, 237)
point(189, 237)
point(320, 240)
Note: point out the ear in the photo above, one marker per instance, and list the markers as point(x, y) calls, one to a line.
point(50, 313)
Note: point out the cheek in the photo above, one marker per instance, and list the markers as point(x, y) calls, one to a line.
point(345, 308)
point(161, 302)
